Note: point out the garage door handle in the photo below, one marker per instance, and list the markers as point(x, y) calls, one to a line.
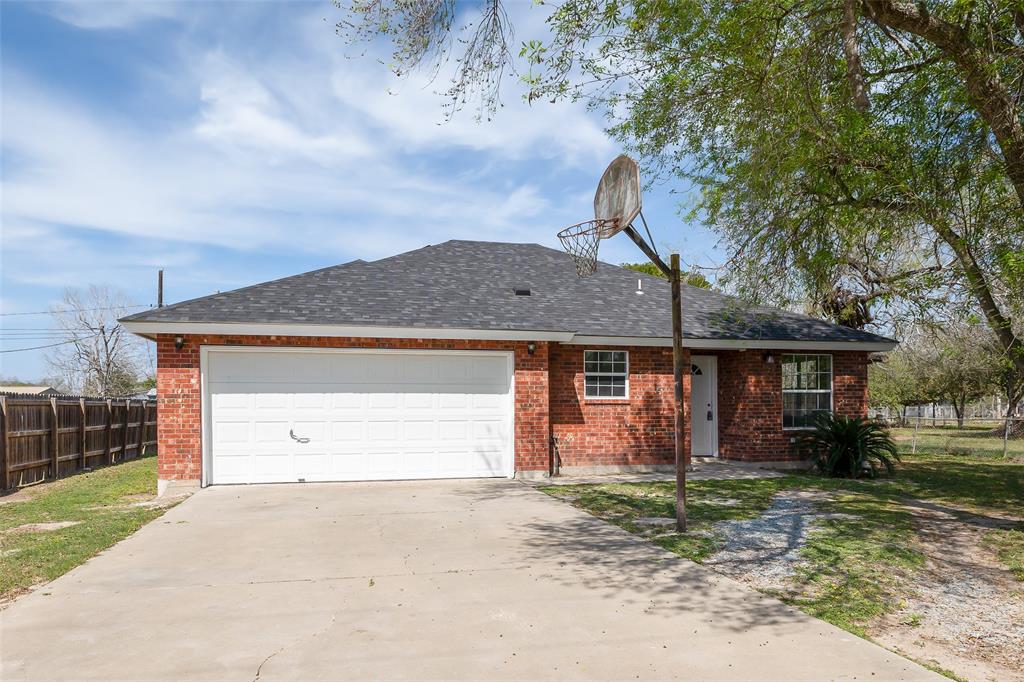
point(294, 437)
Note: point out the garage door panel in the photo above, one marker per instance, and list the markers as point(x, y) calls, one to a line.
point(310, 401)
point(452, 401)
point(312, 464)
point(494, 430)
point(418, 463)
point(264, 400)
point(419, 430)
point(347, 431)
point(452, 430)
point(419, 401)
point(372, 415)
point(270, 432)
point(275, 463)
point(378, 431)
point(233, 467)
point(229, 432)
point(383, 463)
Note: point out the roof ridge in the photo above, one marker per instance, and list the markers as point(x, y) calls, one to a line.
point(172, 306)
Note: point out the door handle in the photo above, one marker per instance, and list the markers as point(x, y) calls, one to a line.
point(710, 417)
point(303, 440)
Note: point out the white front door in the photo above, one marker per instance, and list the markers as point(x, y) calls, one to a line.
point(277, 415)
point(704, 405)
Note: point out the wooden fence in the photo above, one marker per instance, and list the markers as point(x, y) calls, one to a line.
point(44, 438)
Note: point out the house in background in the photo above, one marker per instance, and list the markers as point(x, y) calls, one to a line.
point(477, 359)
point(30, 390)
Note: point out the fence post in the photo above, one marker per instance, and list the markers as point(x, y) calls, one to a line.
point(142, 430)
point(5, 457)
point(83, 433)
point(1007, 423)
point(124, 441)
point(54, 439)
point(110, 430)
point(917, 425)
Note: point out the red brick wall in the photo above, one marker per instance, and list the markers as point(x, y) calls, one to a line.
point(750, 401)
point(637, 431)
point(179, 447)
point(549, 401)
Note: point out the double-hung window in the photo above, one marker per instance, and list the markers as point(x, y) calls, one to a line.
point(806, 389)
point(606, 374)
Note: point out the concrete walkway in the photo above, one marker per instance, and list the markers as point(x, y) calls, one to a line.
point(431, 580)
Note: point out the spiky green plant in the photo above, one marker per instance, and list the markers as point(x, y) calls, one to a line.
point(850, 446)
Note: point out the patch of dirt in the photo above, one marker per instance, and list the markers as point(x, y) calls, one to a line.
point(966, 611)
point(23, 494)
point(42, 527)
point(765, 551)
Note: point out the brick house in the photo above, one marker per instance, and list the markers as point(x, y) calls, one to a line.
point(474, 359)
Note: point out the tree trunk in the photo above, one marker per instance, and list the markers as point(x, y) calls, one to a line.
point(851, 49)
point(1000, 324)
point(959, 408)
point(987, 93)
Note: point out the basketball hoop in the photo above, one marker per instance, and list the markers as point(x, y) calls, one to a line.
point(581, 240)
point(617, 203)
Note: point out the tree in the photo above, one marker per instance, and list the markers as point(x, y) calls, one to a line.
point(694, 279)
point(864, 155)
point(959, 370)
point(98, 356)
point(895, 383)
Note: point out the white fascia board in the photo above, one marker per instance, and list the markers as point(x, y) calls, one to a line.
point(733, 344)
point(151, 329)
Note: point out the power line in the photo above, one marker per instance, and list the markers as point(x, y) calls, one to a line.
point(76, 310)
point(18, 350)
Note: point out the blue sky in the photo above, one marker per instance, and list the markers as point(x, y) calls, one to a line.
point(235, 143)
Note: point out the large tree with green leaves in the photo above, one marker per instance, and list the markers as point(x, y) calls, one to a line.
point(864, 156)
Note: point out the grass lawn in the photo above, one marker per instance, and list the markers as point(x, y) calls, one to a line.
point(101, 503)
point(972, 440)
point(854, 563)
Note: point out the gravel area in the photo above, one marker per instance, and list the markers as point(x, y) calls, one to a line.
point(766, 550)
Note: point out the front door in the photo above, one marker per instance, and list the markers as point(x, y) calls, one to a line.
point(704, 405)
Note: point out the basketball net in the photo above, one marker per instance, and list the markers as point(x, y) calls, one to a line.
point(581, 242)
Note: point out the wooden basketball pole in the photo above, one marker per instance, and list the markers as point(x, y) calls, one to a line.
point(677, 372)
point(675, 278)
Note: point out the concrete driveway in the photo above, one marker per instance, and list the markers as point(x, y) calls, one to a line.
point(427, 580)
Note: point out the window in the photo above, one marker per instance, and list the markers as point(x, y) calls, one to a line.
point(806, 389)
point(605, 373)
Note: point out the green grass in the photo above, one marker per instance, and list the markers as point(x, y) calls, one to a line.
point(855, 567)
point(972, 441)
point(1009, 547)
point(101, 501)
point(624, 503)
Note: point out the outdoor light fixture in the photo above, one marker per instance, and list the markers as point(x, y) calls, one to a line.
point(531, 348)
point(769, 358)
point(179, 342)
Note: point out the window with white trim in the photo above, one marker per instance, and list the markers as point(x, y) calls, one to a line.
point(605, 374)
point(806, 389)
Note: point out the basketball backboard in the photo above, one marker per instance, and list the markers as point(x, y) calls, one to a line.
point(617, 199)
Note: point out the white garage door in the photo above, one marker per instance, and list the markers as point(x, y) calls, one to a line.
point(277, 416)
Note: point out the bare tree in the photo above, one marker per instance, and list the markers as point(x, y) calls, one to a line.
point(97, 356)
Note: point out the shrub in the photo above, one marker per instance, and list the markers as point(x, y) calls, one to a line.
point(850, 446)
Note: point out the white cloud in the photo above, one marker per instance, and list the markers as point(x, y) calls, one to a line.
point(111, 14)
point(294, 150)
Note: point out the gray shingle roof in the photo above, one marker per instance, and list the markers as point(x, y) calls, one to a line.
point(469, 285)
